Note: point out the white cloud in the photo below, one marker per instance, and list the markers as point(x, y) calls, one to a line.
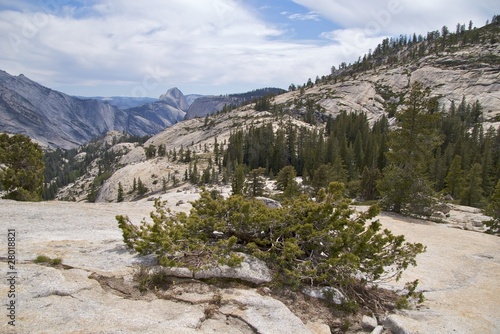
point(394, 17)
point(313, 16)
point(175, 42)
point(130, 47)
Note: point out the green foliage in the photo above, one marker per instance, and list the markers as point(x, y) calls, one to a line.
point(63, 167)
point(305, 243)
point(141, 188)
point(454, 179)
point(255, 183)
point(410, 296)
point(21, 168)
point(472, 195)
point(286, 182)
point(120, 193)
point(150, 151)
point(493, 210)
point(43, 259)
point(405, 186)
point(238, 180)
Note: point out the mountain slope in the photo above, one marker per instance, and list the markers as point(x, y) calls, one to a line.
point(156, 116)
point(472, 73)
point(55, 119)
point(123, 102)
point(207, 105)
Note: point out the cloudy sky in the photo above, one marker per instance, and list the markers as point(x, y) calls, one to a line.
point(143, 48)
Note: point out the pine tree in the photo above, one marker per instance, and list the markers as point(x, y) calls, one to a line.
point(238, 180)
point(472, 194)
point(368, 185)
point(120, 192)
point(405, 186)
point(150, 151)
point(454, 179)
point(493, 210)
point(21, 168)
point(141, 188)
point(286, 182)
point(256, 183)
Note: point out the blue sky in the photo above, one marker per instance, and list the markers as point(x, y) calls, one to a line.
point(143, 48)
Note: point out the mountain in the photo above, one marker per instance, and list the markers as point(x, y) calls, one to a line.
point(168, 110)
point(461, 77)
point(190, 98)
point(207, 105)
point(55, 119)
point(124, 102)
point(52, 118)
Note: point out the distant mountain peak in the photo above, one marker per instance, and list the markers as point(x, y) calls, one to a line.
point(175, 98)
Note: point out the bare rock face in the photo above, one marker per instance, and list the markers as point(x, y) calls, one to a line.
point(207, 105)
point(93, 291)
point(469, 74)
point(175, 98)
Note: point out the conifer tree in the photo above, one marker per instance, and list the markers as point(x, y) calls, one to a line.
point(164, 184)
point(238, 180)
point(472, 194)
point(493, 210)
point(305, 243)
point(286, 182)
point(21, 168)
point(405, 186)
point(255, 183)
point(141, 188)
point(120, 193)
point(454, 179)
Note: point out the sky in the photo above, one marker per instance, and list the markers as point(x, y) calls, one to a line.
point(210, 47)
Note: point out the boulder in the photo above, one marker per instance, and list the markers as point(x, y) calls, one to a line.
point(325, 293)
point(270, 203)
point(397, 324)
point(442, 207)
point(250, 270)
point(369, 323)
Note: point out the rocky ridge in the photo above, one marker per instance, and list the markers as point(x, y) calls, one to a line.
point(473, 74)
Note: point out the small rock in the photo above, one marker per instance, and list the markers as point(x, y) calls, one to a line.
point(477, 223)
point(270, 203)
point(394, 323)
point(369, 323)
point(319, 328)
point(172, 271)
point(438, 215)
point(442, 207)
point(324, 293)
point(262, 313)
point(378, 330)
